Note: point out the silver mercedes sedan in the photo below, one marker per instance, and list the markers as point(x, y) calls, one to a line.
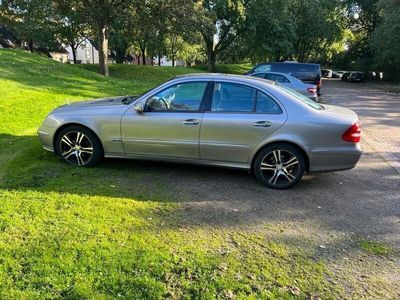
point(213, 119)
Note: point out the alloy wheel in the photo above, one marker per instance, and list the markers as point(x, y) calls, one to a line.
point(76, 148)
point(280, 167)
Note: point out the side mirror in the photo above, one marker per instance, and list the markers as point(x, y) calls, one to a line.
point(139, 107)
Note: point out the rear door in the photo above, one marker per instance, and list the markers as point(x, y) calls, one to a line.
point(238, 118)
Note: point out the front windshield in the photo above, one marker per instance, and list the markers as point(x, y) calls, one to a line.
point(299, 96)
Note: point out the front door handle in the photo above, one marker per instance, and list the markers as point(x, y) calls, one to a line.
point(262, 124)
point(191, 122)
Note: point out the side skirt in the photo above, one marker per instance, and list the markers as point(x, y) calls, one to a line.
point(181, 160)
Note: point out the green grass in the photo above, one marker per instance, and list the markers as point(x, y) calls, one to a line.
point(153, 75)
point(115, 231)
point(150, 75)
point(239, 69)
point(373, 247)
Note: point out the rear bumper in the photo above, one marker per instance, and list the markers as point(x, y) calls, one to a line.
point(335, 159)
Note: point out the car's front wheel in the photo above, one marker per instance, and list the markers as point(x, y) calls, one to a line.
point(279, 166)
point(78, 146)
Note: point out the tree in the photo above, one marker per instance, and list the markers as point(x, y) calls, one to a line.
point(318, 25)
point(100, 15)
point(270, 31)
point(385, 41)
point(72, 27)
point(31, 20)
point(145, 25)
point(178, 27)
point(363, 18)
point(220, 22)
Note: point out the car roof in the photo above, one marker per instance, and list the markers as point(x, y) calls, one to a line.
point(288, 62)
point(222, 76)
point(277, 73)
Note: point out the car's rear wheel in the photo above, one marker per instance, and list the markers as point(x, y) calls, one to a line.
point(78, 146)
point(279, 166)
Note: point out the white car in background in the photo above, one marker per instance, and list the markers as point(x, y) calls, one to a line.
point(308, 90)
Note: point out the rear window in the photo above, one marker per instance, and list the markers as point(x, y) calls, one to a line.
point(301, 97)
point(296, 68)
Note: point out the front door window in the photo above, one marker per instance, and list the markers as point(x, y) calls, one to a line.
point(184, 97)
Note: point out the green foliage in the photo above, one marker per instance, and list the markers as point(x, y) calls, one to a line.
point(114, 231)
point(318, 25)
point(30, 19)
point(385, 40)
point(269, 31)
point(223, 19)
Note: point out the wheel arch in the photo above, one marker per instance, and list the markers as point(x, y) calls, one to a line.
point(301, 149)
point(64, 126)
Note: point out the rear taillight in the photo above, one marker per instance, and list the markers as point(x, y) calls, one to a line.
point(312, 90)
point(353, 134)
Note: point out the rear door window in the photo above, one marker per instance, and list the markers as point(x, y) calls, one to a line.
point(231, 97)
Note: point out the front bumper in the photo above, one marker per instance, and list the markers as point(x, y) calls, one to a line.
point(46, 135)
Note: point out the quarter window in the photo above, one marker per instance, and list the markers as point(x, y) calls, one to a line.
point(281, 79)
point(265, 104)
point(179, 97)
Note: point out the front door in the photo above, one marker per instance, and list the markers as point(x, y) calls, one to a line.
point(239, 118)
point(169, 126)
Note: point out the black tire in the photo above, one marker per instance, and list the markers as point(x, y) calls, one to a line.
point(78, 146)
point(283, 175)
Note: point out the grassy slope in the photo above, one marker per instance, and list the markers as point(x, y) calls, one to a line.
point(154, 74)
point(113, 231)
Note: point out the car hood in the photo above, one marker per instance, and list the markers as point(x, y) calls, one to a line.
point(92, 104)
point(339, 110)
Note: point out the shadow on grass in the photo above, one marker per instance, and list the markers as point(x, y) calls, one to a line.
point(344, 201)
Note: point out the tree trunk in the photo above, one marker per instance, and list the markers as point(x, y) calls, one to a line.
point(159, 59)
point(120, 55)
point(73, 52)
point(173, 60)
point(103, 49)
point(30, 45)
point(211, 55)
point(143, 50)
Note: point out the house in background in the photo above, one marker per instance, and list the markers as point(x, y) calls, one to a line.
point(59, 54)
point(86, 53)
point(165, 62)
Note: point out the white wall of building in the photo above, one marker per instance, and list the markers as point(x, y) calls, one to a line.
point(86, 53)
point(165, 62)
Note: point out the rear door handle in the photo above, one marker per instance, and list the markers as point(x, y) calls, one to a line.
point(262, 124)
point(191, 122)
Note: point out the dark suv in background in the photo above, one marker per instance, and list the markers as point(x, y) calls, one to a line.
point(308, 73)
